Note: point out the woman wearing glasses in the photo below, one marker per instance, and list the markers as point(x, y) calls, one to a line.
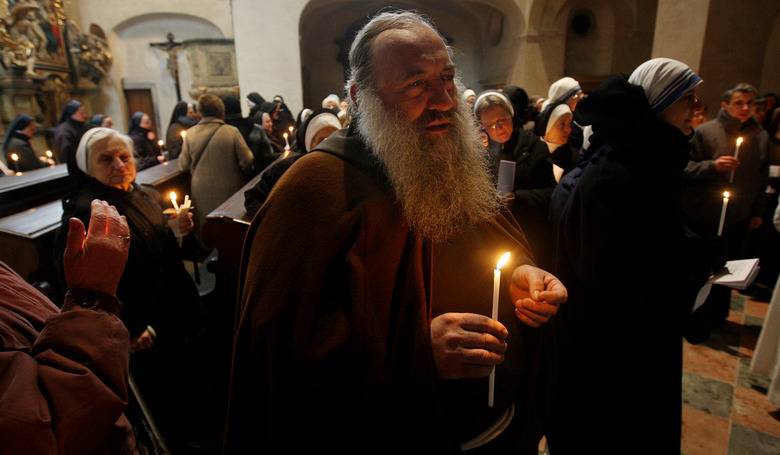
point(535, 177)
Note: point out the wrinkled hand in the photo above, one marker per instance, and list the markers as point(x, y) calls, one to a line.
point(95, 260)
point(536, 295)
point(161, 158)
point(467, 345)
point(144, 341)
point(755, 223)
point(186, 225)
point(726, 163)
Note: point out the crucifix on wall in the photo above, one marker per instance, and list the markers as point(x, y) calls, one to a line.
point(171, 46)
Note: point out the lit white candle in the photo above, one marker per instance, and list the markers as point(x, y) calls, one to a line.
point(496, 291)
point(15, 159)
point(736, 156)
point(161, 143)
point(183, 134)
point(286, 144)
point(51, 157)
point(173, 200)
point(726, 196)
point(290, 129)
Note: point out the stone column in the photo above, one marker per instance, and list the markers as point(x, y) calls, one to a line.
point(723, 41)
point(268, 49)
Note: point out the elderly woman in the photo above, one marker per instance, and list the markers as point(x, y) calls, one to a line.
point(622, 252)
point(160, 303)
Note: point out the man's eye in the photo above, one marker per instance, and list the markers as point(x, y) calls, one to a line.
point(448, 77)
point(417, 84)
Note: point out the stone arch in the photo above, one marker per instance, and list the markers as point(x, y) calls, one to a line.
point(621, 39)
point(484, 34)
point(137, 63)
point(770, 78)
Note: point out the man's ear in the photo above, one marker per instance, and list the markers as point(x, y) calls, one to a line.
point(353, 90)
point(723, 105)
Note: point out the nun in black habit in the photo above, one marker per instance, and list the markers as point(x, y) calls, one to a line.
point(68, 134)
point(17, 141)
point(146, 149)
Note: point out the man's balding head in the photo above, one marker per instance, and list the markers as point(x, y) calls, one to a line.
point(391, 52)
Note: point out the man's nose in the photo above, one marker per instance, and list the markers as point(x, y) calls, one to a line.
point(440, 99)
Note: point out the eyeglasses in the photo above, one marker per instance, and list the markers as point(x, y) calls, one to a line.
point(500, 123)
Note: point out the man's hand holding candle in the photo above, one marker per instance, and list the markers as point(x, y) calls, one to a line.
point(536, 295)
point(467, 345)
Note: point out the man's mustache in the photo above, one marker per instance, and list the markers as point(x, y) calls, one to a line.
point(433, 115)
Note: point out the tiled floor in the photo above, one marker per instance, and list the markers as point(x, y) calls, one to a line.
point(725, 408)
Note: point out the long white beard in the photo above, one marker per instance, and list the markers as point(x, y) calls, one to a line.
point(443, 184)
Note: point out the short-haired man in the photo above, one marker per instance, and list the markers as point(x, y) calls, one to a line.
point(714, 168)
point(368, 273)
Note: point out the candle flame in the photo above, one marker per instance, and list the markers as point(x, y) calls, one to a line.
point(160, 142)
point(48, 153)
point(15, 157)
point(726, 195)
point(173, 196)
point(290, 128)
point(739, 141)
point(285, 135)
point(183, 134)
point(502, 262)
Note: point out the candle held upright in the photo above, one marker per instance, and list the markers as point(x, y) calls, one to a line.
point(496, 292)
point(736, 156)
point(726, 196)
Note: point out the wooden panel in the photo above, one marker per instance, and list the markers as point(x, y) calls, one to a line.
point(140, 100)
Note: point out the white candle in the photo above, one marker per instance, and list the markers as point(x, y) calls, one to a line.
point(286, 144)
point(15, 158)
point(496, 291)
point(726, 196)
point(736, 156)
point(173, 200)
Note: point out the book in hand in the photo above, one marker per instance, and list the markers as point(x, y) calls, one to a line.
point(737, 274)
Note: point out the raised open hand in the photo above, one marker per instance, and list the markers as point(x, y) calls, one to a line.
point(95, 260)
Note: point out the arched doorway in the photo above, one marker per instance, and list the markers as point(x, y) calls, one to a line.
point(139, 67)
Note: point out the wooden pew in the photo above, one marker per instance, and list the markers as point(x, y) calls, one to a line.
point(27, 236)
point(225, 229)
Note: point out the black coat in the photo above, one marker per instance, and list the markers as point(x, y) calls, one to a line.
point(155, 289)
point(66, 141)
point(622, 254)
point(533, 187)
point(256, 140)
point(146, 151)
point(20, 144)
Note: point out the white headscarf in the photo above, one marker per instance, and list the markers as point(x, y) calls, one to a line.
point(561, 90)
point(467, 93)
point(664, 81)
point(332, 97)
point(318, 122)
point(89, 138)
point(559, 111)
point(483, 96)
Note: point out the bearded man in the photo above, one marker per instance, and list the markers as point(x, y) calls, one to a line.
point(365, 319)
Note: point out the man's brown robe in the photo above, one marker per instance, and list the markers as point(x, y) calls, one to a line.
point(332, 351)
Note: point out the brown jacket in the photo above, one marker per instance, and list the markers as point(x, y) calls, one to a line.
point(332, 350)
point(63, 376)
point(219, 161)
